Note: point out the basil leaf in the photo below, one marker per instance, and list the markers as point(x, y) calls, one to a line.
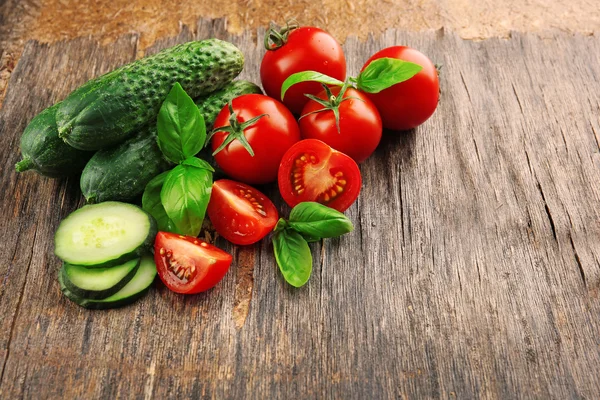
point(304, 76)
point(281, 225)
point(316, 221)
point(385, 72)
point(293, 257)
point(181, 128)
point(198, 163)
point(152, 205)
point(185, 195)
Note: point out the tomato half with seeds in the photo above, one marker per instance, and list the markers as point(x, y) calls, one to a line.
point(240, 213)
point(189, 265)
point(312, 171)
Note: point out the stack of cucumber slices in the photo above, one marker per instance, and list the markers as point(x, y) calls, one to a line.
point(106, 256)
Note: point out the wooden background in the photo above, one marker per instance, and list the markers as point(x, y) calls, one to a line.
point(473, 272)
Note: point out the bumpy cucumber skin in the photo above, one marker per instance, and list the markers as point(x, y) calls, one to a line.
point(95, 304)
point(43, 151)
point(95, 294)
point(211, 105)
point(122, 172)
point(144, 248)
point(113, 107)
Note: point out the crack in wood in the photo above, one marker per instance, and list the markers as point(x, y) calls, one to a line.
point(466, 87)
point(595, 135)
point(578, 260)
point(246, 258)
point(548, 213)
point(518, 99)
point(18, 306)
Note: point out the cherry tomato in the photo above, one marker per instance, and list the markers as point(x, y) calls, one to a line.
point(187, 264)
point(306, 48)
point(407, 104)
point(240, 213)
point(313, 171)
point(269, 137)
point(359, 123)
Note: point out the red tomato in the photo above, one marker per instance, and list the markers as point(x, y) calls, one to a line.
point(312, 171)
point(307, 48)
point(269, 137)
point(240, 213)
point(360, 124)
point(187, 264)
point(407, 104)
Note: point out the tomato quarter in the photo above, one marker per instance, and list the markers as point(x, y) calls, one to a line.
point(269, 137)
point(407, 104)
point(240, 213)
point(306, 49)
point(359, 124)
point(187, 264)
point(313, 171)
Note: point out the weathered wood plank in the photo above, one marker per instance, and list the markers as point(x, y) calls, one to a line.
point(472, 273)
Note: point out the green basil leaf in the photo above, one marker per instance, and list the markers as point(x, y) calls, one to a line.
point(304, 76)
point(152, 205)
point(385, 72)
point(185, 195)
point(181, 128)
point(316, 221)
point(281, 225)
point(198, 163)
point(293, 257)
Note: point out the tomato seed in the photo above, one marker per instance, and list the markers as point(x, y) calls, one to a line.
point(339, 188)
point(203, 244)
point(342, 182)
point(162, 251)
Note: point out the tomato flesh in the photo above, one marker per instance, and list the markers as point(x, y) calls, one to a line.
point(240, 213)
point(360, 124)
point(407, 104)
point(313, 171)
point(189, 265)
point(307, 49)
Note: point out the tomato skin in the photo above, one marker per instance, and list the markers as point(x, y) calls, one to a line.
point(307, 49)
point(235, 217)
point(269, 137)
point(407, 104)
point(205, 263)
point(360, 124)
point(324, 175)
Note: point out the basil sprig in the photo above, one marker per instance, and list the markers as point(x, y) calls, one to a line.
point(181, 128)
point(380, 74)
point(308, 222)
point(178, 198)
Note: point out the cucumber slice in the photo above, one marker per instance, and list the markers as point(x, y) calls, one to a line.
point(98, 283)
point(133, 290)
point(104, 235)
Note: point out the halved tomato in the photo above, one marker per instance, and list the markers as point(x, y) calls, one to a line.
point(312, 171)
point(240, 213)
point(187, 264)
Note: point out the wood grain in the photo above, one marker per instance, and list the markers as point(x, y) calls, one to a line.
point(473, 271)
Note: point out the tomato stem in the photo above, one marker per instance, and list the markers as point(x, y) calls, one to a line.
point(276, 38)
point(235, 130)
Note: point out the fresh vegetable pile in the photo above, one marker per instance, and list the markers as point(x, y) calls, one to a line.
point(148, 138)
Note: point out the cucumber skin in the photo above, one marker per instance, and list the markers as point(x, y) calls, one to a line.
point(94, 304)
point(211, 105)
point(94, 294)
point(144, 248)
point(111, 108)
point(122, 172)
point(43, 151)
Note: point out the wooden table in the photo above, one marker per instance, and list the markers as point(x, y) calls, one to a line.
point(473, 272)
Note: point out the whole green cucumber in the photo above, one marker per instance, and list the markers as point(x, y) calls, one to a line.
point(122, 172)
point(43, 151)
point(111, 108)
